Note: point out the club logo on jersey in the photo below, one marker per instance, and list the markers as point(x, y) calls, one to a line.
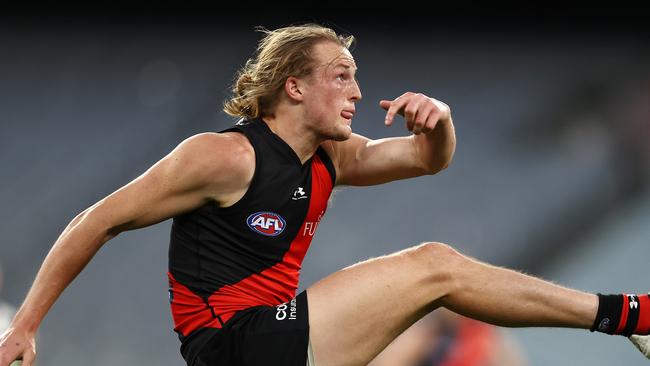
point(266, 223)
point(299, 194)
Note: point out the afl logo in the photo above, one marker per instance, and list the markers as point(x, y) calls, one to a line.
point(266, 223)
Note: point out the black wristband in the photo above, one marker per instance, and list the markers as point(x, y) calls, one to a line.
point(609, 313)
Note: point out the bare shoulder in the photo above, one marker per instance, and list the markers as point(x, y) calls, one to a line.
point(342, 152)
point(222, 146)
point(226, 159)
point(211, 150)
point(339, 149)
point(353, 140)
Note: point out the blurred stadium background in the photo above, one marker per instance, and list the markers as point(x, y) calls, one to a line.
point(550, 174)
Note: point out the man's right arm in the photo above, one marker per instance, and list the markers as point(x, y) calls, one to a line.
point(205, 167)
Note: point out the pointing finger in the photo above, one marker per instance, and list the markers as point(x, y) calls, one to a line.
point(397, 106)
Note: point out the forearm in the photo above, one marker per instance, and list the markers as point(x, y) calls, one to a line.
point(436, 149)
point(72, 251)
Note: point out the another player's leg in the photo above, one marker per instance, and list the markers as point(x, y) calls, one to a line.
point(358, 311)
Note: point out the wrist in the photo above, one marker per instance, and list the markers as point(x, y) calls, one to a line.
point(24, 323)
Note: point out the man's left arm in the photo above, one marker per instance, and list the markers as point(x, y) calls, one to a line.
point(361, 161)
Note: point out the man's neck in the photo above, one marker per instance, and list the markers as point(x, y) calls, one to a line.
point(302, 140)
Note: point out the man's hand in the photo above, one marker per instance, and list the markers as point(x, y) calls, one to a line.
point(420, 112)
point(17, 345)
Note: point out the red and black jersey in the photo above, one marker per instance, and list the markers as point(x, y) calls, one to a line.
point(226, 259)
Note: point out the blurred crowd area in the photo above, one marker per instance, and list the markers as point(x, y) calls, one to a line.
point(550, 176)
point(444, 338)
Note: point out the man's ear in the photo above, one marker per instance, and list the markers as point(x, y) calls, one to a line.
point(293, 88)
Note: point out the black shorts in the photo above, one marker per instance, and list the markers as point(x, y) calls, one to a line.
point(261, 335)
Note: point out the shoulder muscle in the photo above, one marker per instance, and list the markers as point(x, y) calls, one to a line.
point(205, 167)
point(221, 163)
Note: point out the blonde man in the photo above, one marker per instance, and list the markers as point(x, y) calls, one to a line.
point(247, 201)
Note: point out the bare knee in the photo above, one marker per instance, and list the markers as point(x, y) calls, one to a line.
point(436, 253)
point(439, 263)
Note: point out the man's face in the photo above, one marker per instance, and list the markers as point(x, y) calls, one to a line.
point(332, 91)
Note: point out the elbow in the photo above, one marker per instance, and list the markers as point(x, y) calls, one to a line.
point(444, 166)
point(444, 158)
point(438, 157)
point(112, 232)
point(436, 169)
point(91, 220)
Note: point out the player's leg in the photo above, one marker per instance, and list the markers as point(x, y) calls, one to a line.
point(409, 348)
point(356, 312)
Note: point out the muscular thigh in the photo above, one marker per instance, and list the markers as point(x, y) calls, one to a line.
point(356, 312)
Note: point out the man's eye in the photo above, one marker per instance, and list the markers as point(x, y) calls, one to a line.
point(341, 76)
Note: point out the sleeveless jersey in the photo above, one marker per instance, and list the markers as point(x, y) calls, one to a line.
point(226, 259)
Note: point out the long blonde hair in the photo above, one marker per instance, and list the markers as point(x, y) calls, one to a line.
point(281, 53)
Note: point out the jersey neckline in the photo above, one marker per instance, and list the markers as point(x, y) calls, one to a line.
point(286, 149)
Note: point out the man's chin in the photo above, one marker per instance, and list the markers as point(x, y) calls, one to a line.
point(343, 134)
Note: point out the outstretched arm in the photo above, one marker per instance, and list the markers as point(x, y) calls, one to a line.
point(198, 170)
point(361, 161)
